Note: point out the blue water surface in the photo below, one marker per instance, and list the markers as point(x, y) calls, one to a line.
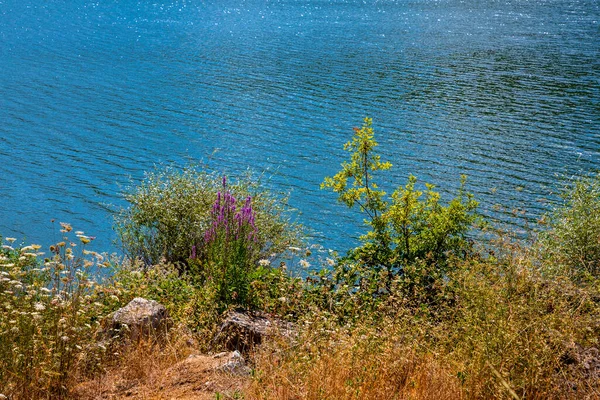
point(94, 93)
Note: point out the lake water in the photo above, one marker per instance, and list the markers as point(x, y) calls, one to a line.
point(93, 93)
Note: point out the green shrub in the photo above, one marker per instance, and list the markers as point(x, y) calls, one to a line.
point(573, 240)
point(215, 232)
point(408, 227)
point(170, 211)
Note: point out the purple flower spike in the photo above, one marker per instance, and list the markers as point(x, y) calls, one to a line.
point(232, 227)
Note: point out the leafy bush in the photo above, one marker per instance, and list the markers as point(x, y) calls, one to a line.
point(573, 240)
point(171, 210)
point(216, 233)
point(405, 227)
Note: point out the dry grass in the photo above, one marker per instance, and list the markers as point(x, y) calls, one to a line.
point(507, 328)
point(134, 369)
point(167, 370)
point(364, 363)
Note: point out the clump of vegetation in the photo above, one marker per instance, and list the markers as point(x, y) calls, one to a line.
point(216, 233)
point(404, 227)
point(573, 240)
point(171, 210)
point(49, 310)
point(228, 252)
point(412, 234)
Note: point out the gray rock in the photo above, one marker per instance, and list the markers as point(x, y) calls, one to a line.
point(234, 364)
point(138, 319)
point(243, 330)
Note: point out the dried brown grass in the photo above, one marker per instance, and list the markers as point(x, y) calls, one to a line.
point(504, 327)
point(364, 363)
point(171, 369)
point(134, 369)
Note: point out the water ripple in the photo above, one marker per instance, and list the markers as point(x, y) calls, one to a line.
point(92, 94)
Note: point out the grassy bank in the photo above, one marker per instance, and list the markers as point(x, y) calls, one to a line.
point(420, 309)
